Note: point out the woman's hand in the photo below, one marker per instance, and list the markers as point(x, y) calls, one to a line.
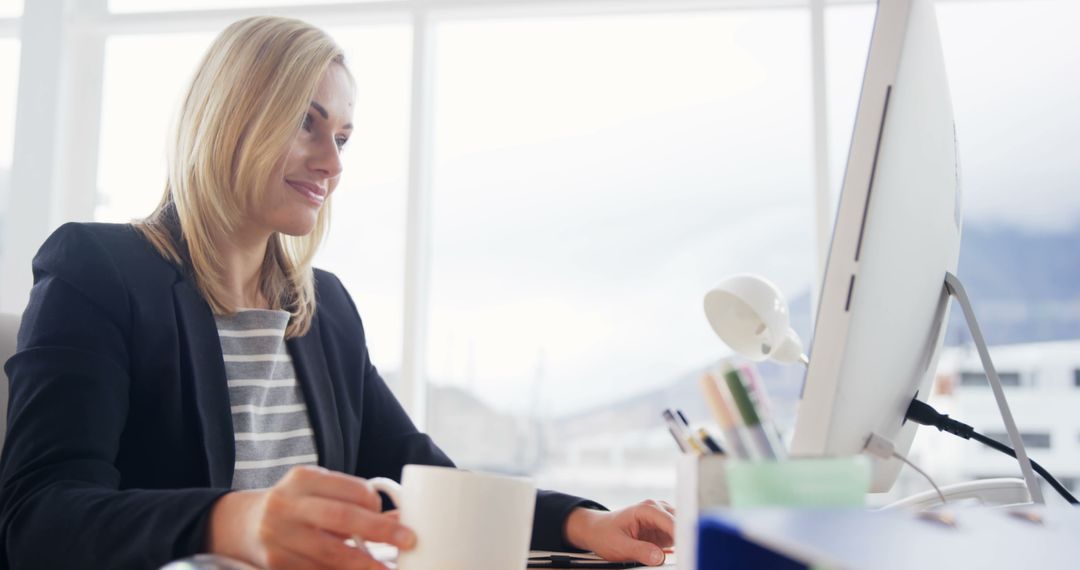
point(639, 532)
point(303, 522)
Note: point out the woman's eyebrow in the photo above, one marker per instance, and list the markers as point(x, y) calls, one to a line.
point(325, 115)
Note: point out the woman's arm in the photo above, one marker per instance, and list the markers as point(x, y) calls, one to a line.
point(60, 503)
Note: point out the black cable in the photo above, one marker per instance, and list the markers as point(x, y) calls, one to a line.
point(1034, 465)
point(924, 414)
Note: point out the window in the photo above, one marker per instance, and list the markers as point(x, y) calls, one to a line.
point(586, 196)
point(1032, 440)
point(9, 83)
point(11, 8)
point(138, 103)
point(979, 379)
point(847, 41)
point(9, 91)
point(1076, 377)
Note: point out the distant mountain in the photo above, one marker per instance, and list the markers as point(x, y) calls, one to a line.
point(1023, 285)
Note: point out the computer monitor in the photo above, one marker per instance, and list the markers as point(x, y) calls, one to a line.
point(883, 305)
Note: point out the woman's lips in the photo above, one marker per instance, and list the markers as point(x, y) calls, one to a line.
point(315, 194)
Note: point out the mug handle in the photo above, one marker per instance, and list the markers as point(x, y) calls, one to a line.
point(388, 486)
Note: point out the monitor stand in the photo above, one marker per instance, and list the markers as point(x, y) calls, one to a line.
point(954, 288)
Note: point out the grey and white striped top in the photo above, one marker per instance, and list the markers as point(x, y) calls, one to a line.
point(270, 421)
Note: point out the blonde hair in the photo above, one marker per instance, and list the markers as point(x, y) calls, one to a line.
point(246, 101)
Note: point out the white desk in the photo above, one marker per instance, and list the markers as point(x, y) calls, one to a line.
point(382, 552)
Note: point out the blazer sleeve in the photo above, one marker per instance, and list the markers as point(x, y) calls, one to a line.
point(60, 500)
point(390, 440)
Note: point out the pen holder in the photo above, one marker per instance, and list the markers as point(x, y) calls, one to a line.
point(705, 481)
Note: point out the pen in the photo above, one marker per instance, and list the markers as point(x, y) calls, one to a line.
point(749, 414)
point(569, 561)
point(697, 439)
point(764, 407)
point(709, 442)
point(676, 431)
point(723, 415)
point(696, 446)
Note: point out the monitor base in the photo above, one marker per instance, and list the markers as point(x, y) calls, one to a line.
point(1000, 492)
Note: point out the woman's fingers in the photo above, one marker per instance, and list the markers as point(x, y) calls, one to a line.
point(313, 548)
point(308, 480)
point(345, 519)
point(646, 553)
point(659, 524)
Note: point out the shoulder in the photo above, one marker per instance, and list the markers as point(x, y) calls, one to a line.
point(334, 307)
point(100, 259)
point(330, 293)
point(101, 247)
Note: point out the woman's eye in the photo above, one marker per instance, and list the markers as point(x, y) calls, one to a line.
point(307, 123)
point(341, 142)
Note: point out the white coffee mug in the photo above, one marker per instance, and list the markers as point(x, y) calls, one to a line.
point(462, 520)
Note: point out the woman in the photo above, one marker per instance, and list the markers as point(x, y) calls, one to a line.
point(190, 384)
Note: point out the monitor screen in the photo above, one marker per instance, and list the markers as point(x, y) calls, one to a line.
point(883, 304)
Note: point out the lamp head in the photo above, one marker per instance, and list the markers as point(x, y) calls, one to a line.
point(750, 315)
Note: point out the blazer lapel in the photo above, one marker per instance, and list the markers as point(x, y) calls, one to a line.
point(207, 369)
point(312, 373)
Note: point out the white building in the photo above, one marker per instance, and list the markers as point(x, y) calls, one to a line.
point(1042, 386)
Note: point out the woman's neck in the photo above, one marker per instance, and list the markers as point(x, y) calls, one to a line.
point(242, 255)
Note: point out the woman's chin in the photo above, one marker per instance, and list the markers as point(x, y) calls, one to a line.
point(297, 226)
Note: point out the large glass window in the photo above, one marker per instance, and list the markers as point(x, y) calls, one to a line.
point(9, 91)
point(847, 41)
point(9, 85)
point(587, 194)
point(11, 8)
point(139, 100)
point(366, 242)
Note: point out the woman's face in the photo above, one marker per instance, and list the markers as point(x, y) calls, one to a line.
point(311, 164)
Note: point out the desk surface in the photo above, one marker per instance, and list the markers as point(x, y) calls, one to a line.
point(1028, 537)
point(383, 553)
point(387, 554)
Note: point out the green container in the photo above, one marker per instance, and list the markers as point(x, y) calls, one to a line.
point(817, 482)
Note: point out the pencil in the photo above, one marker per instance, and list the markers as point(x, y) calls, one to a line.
point(710, 388)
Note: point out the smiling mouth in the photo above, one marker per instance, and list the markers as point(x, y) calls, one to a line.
point(313, 193)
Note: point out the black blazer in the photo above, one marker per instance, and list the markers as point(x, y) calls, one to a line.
point(120, 434)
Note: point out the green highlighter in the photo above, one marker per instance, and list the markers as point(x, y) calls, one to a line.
point(754, 430)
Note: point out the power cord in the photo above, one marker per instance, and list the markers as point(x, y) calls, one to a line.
point(883, 448)
point(922, 413)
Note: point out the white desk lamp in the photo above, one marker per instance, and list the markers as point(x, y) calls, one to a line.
point(750, 314)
